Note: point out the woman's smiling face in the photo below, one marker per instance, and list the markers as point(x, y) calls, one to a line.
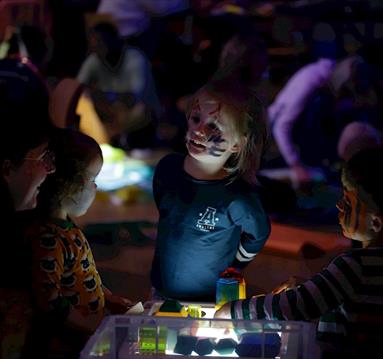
point(25, 179)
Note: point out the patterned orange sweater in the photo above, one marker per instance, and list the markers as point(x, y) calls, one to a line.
point(64, 272)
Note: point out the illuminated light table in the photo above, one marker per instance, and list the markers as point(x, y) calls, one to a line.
point(134, 336)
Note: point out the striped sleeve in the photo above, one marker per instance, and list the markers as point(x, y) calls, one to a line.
point(242, 254)
point(327, 290)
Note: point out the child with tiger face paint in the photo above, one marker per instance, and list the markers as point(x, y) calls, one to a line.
point(360, 208)
point(352, 215)
point(346, 295)
point(211, 217)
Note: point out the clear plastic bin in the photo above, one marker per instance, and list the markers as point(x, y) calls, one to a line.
point(168, 337)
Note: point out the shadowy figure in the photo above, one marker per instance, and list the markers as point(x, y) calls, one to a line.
point(25, 161)
point(122, 89)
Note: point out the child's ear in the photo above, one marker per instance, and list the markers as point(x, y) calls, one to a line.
point(238, 145)
point(235, 148)
point(376, 223)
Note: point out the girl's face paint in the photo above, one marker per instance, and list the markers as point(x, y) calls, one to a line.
point(210, 133)
point(353, 216)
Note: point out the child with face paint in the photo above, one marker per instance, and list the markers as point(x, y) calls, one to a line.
point(347, 295)
point(211, 217)
point(67, 288)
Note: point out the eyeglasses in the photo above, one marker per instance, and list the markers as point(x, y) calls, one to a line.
point(47, 159)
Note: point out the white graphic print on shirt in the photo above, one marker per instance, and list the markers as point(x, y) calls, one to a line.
point(208, 220)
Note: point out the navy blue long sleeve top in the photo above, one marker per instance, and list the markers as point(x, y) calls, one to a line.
point(204, 227)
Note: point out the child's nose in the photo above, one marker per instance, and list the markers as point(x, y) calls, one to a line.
point(200, 129)
point(200, 132)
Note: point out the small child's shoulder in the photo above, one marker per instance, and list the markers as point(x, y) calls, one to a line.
point(362, 255)
point(365, 252)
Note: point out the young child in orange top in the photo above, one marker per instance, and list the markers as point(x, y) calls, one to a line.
point(65, 281)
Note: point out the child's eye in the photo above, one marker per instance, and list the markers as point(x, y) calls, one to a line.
point(212, 126)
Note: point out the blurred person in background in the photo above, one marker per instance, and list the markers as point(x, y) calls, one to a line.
point(141, 22)
point(309, 114)
point(121, 86)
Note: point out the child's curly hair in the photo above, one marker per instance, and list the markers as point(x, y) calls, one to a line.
point(74, 151)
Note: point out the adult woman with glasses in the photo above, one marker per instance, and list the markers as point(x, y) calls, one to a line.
point(25, 162)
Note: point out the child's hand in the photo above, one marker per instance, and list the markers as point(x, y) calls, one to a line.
point(116, 304)
point(292, 282)
point(224, 312)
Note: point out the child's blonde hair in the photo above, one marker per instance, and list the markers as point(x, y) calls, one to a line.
point(74, 152)
point(248, 116)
